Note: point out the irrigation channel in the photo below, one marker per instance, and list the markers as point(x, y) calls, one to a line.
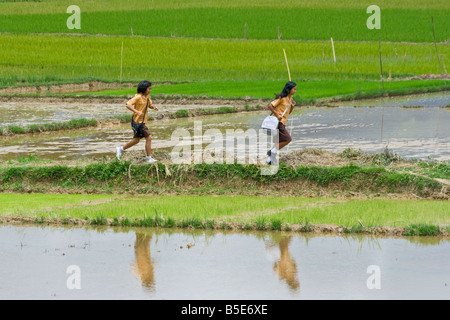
point(56, 262)
point(412, 127)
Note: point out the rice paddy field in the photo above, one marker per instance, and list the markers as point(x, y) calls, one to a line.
point(205, 212)
point(66, 200)
point(223, 44)
point(230, 49)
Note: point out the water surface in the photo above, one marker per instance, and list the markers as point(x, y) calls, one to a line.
point(150, 264)
point(417, 127)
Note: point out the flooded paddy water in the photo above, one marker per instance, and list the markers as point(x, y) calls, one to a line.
point(56, 262)
point(412, 127)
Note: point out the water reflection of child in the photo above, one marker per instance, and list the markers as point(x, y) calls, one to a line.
point(282, 102)
point(144, 266)
point(284, 264)
point(139, 105)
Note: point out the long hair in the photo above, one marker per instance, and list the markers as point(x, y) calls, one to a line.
point(143, 85)
point(286, 90)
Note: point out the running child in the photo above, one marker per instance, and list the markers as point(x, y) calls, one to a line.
point(139, 105)
point(282, 102)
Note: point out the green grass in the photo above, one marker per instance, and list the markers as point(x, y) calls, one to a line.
point(372, 213)
point(308, 90)
point(436, 170)
point(121, 176)
point(30, 59)
point(200, 212)
point(216, 58)
point(295, 24)
point(20, 203)
point(57, 6)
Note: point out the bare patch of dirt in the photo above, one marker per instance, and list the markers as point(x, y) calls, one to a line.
point(91, 86)
point(108, 123)
point(316, 157)
point(424, 77)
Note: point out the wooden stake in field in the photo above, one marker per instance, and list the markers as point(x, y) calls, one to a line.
point(121, 62)
point(287, 65)
point(289, 73)
point(245, 31)
point(334, 53)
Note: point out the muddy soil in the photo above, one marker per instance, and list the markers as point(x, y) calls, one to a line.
point(67, 88)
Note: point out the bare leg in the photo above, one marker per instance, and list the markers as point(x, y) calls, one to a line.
point(148, 146)
point(281, 145)
point(131, 143)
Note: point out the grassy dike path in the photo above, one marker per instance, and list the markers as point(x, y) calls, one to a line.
point(345, 199)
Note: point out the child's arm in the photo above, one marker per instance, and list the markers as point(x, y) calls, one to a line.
point(130, 106)
point(271, 108)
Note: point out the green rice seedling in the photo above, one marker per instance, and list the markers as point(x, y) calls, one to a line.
point(145, 222)
point(421, 230)
point(210, 224)
point(159, 221)
point(275, 224)
point(202, 212)
point(115, 222)
point(182, 113)
point(262, 22)
point(204, 59)
point(16, 129)
point(100, 221)
point(357, 228)
point(39, 220)
point(310, 90)
point(226, 110)
point(194, 223)
point(306, 227)
point(261, 223)
point(126, 222)
point(32, 157)
point(169, 223)
point(225, 226)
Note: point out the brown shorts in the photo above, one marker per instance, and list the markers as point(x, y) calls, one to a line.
point(143, 133)
point(283, 134)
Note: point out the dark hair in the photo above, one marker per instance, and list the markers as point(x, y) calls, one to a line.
point(143, 85)
point(286, 90)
